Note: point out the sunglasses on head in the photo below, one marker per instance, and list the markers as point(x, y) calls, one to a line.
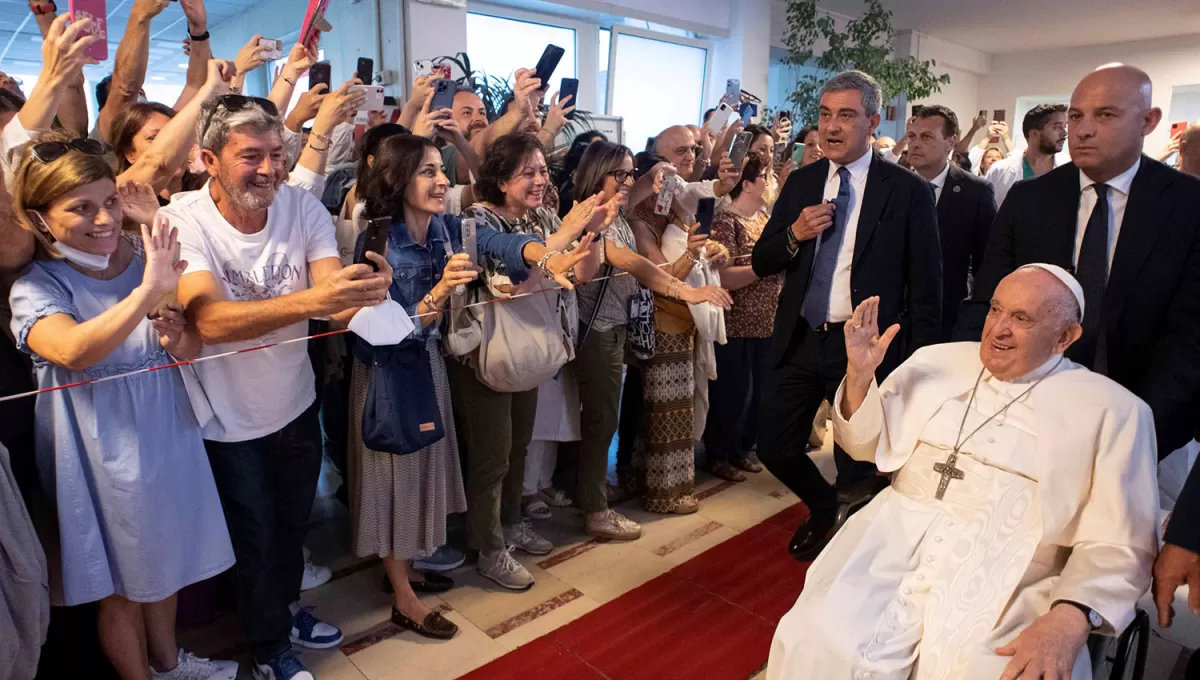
point(238, 102)
point(48, 152)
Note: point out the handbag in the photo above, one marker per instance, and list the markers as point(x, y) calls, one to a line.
point(524, 341)
point(639, 336)
point(401, 414)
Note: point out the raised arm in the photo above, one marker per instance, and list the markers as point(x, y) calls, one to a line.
point(249, 58)
point(169, 150)
point(299, 60)
point(336, 108)
point(556, 120)
point(965, 142)
point(129, 66)
point(520, 110)
point(198, 51)
point(72, 108)
point(62, 61)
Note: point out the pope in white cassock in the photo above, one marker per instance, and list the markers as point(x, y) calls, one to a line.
point(1021, 515)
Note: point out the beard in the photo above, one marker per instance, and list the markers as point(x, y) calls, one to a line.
point(1047, 147)
point(248, 199)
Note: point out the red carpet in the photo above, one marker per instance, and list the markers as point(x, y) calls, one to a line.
point(710, 618)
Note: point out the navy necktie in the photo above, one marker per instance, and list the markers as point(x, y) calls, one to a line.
point(820, 284)
point(1091, 269)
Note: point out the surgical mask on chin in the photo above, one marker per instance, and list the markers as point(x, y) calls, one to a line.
point(89, 261)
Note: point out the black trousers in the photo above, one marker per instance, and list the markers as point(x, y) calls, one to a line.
point(266, 487)
point(794, 390)
point(734, 398)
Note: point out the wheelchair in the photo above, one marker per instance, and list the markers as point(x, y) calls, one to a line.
point(1122, 657)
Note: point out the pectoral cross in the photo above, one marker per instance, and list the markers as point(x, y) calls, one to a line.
point(948, 472)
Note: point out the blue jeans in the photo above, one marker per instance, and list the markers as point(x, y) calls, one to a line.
point(267, 487)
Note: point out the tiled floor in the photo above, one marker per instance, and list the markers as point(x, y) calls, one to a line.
point(578, 577)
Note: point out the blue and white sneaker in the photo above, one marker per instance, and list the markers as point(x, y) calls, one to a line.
point(283, 667)
point(444, 558)
point(309, 631)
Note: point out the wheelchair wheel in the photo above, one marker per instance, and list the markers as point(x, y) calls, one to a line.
point(1124, 657)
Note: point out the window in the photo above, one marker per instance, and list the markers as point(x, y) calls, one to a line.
point(602, 77)
point(499, 46)
point(655, 84)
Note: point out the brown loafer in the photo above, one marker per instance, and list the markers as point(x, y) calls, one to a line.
point(434, 626)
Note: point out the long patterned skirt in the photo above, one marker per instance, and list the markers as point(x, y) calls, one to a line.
point(663, 460)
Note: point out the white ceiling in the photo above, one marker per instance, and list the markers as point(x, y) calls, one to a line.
point(1024, 25)
point(21, 43)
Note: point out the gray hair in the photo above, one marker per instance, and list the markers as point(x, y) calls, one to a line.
point(221, 121)
point(872, 94)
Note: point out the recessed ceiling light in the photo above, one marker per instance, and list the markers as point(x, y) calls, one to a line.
point(35, 38)
point(183, 66)
point(157, 78)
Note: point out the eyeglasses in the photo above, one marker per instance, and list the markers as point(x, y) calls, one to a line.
point(621, 175)
point(238, 102)
point(48, 152)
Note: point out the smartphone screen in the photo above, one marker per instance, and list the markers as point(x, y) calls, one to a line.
point(998, 115)
point(378, 231)
point(570, 86)
point(443, 95)
point(546, 65)
point(705, 209)
point(319, 73)
point(366, 70)
point(98, 13)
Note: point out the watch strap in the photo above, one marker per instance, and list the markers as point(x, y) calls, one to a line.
point(199, 38)
point(1090, 614)
point(40, 8)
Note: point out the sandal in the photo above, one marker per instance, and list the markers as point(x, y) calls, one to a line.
point(749, 465)
point(727, 472)
point(434, 626)
point(685, 505)
point(536, 508)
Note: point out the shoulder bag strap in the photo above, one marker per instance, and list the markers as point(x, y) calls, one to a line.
point(608, 270)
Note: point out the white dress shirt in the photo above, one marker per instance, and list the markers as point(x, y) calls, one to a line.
point(939, 182)
point(1118, 198)
point(841, 306)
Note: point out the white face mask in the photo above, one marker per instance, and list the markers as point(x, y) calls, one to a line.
point(89, 261)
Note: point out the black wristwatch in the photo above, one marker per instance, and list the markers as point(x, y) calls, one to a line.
point(198, 38)
point(1093, 617)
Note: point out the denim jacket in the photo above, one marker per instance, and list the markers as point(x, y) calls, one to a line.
point(417, 268)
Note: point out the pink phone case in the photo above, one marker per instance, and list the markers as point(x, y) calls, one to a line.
point(98, 13)
point(308, 35)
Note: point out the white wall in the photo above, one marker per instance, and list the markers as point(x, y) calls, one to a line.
point(745, 54)
point(965, 66)
point(1170, 62)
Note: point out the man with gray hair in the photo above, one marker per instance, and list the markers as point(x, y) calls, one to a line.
point(1022, 512)
point(252, 246)
point(845, 228)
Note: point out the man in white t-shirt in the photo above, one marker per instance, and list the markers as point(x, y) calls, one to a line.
point(252, 246)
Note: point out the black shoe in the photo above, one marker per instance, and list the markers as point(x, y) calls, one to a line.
point(434, 626)
point(812, 536)
point(857, 495)
point(432, 583)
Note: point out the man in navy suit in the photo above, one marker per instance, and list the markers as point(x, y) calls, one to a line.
point(844, 229)
point(966, 206)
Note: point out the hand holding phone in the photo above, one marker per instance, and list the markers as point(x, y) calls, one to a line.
point(443, 94)
point(97, 11)
point(733, 92)
point(546, 65)
point(365, 70)
point(320, 73)
point(378, 231)
point(270, 49)
point(705, 210)
point(739, 148)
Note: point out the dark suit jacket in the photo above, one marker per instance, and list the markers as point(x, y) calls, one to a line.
point(1152, 304)
point(896, 255)
point(966, 211)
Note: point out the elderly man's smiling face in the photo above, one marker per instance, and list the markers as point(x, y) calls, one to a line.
point(1033, 317)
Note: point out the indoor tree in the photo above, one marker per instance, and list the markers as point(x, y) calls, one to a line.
point(864, 43)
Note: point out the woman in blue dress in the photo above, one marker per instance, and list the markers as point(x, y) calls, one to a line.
point(122, 461)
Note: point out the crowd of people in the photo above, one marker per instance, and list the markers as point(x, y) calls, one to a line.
point(513, 307)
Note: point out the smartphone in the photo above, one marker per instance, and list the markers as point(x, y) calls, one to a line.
point(443, 94)
point(705, 209)
point(797, 153)
point(983, 114)
point(748, 112)
point(546, 65)
point(318, 73)
point(733, 91)
point(365, 70)
point(270, 49)
point(739, 148)
point(1176, 128)
point(98, 13)
point(785, 115)
point(426, 67)
point(998, 115)
point(916, 110)
point(570, 86)
point(378, 230)
point(374, 101)
point(666, 195)
point(719, 118)
point(469, 247)
point(314, 23)
point(389, 101)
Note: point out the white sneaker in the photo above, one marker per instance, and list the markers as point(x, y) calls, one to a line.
point(192, 667)
point(501, 567)
point(615, 526)
point(524, 537)
point(314, 574)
